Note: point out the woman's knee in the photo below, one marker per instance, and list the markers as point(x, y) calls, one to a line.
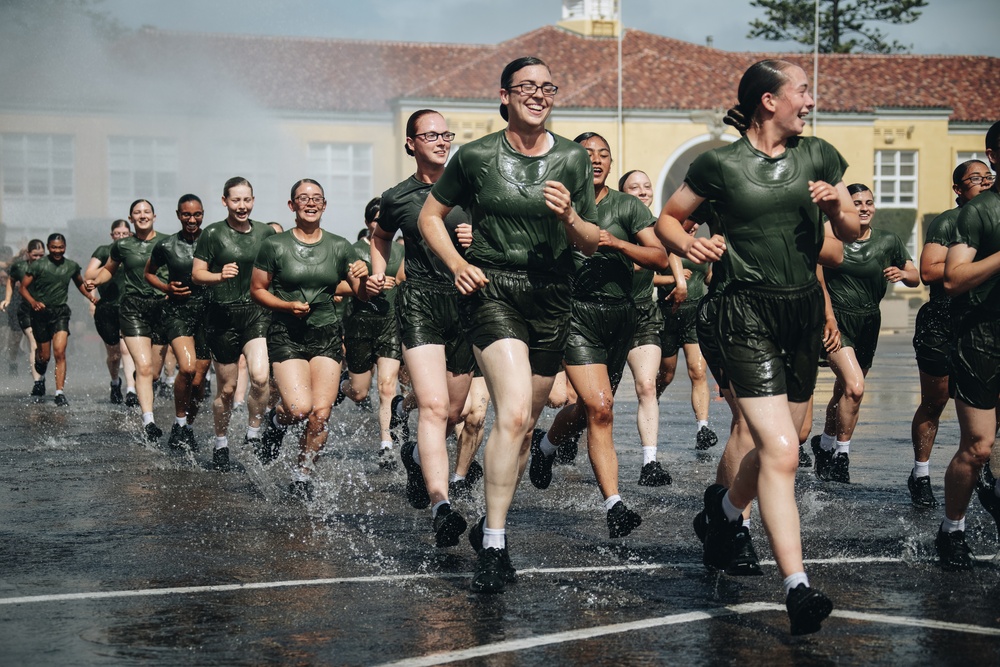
point(600, 413)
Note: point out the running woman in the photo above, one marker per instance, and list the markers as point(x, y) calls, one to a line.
point(141, 310)
point(769, 189)
point(223, 261)
point(602, 326)
point(106, 316)
point(183, 317)
point(934, 330)
point(19, 313)
point(296, 275)
point(530, 195)
point(856, 288)
point(972, 269)
point(45, 288)
point(435, 349)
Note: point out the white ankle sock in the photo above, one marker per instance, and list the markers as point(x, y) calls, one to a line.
point(702, 422)
point(221, 442)
point(827, 442)
point(648, 454)
point(732, 511)
point(746, 523)
point(386, 444)
point(612, 501)
point(950, 526)
point(494, 538)
point(437, 506)
point(921, 469)
point(181, 421)
point(455, 477)
point(793, 580)
point(546, 446)
point(147, 418)
point(253, 432)
point(843, 447)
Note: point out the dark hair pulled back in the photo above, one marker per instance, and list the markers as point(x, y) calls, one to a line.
point(507, 77)
point(764, 76)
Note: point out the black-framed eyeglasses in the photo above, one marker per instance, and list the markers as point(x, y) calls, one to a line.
point(977, 179)
point(431, 137)
point(306, 199)
point(196, 214)
point(548, 89)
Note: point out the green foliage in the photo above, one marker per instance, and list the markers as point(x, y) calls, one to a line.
point(843, 24)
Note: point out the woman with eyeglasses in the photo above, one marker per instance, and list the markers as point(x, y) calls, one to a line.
point(435, 349)
point(183, 316)
point(19, 313)
point(530, 195)
point(235, 324)
point(295, 276)
point(856, 287)
point(934, 330)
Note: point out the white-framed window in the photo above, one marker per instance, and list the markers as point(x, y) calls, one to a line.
point(141, 168)
point(896, 179)
point(345, 171)
point(965, 156)
point(38, 189)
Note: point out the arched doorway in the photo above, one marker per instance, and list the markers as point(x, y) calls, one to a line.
point(676, 166)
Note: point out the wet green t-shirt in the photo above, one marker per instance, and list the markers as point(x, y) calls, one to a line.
point(307, 272)
point(941, 231)
point(111, 291)
point(50, 280)
point(607, 274)
point(132, 255)
point(400, 210)
point(220, 244)
point(858, 283)
point(17, 270)
point(176, 254)
point(501, 190)
point(383, 303)
point(773, 230)
point(978, 226)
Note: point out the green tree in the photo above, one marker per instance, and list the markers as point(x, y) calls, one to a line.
point(844, 25)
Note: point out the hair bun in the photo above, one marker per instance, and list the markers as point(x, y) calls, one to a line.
point(736, 118)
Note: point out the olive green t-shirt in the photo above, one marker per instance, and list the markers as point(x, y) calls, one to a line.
point(400, 210)
point(858, 283)
point(607, 274)
point(111, 291)
point(773, 230)
point(941, 231)
point(383, 303)
point(17, 270)
point(307, 272)
point(501, 190)
point(978, 226)
point(50, 280)
point(176, 254)
point(220, 244)
point(132, 255)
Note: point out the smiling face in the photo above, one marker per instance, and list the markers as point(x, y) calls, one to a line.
point(600, 159)
point(191, 214)
point(431, 153)
point(966, 190)
point(119, 233)
point(308, 204)
point(142, 217)
point(36, 253)
point(638, 184)
point(528, 111)
point(239, 203)
point(792, 103)
point(864, 201)
point(57, 249)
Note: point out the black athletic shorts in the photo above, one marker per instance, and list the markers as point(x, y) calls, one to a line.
point(770, 337)
point(230, 326)
point(45, 323)
point(186, 319)
point(532, 308)
point(598, 334)
point(933, 336)
point(428, 315)
point(368, 337)
point(648, 324)
point(107, 322)
point(296, 339)
point(858, 330)
point(22, 314)
point(142, 316)
point(975, 377)
point(708, 315)
point(680, 327)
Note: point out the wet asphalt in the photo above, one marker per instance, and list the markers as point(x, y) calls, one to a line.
point(116, 552)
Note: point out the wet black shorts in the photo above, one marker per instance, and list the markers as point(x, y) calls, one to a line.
point(708, 315)
point(45, 323)
point(428, 315)
point(289, 338)
point(975, 377)
point(230, 326)
point(22, 314)
point(186, 319)
point(933, 335)
point(680, 327)
point(369, 337)
point(106, 321)
point(142, 316)
point(532, 308)
point(858, 330)
point(598, 334)
point(648, 324)
point(770, 337)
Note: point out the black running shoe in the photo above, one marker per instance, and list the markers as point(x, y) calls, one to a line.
point(805, 461)
point(653, 474)
point(840, 468)
point(187, 437)
point(744, 562)
point(220, 459)
point(116, 393)
point(448, 526)
point(459, 488)
point(399, 426)
point(987, 496)
point(177, 437)
point(921, 494)
point(700, 526)
point(566, 451)
point(61, 400)
point(152, 431)
point(540, 468)
point(270, 440)
point(807, 609)
point(824, 459)
point(474, 473)
point(476, 542)
point(490, 576)
point(416, 490)
point(953, 551)
point(254, 443)
point(705, 438)
point(38, 389)
point(301, 490)
point(131, 400)
point(622, 520)
point(386, 459)
point(720, 533)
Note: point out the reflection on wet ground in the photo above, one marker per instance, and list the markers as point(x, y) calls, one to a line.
point(96, 526)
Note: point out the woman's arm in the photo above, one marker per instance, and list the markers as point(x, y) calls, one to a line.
point(671, 232)
point(25, 283)
point(85, 288)
point(907, 275)
point(200, 275)
point(961, 272)
point(583, 236)
point(105, 274)
point(932, 259)
point(836, 204)
point(468, 278)
point(648, 253)
point(260, 281)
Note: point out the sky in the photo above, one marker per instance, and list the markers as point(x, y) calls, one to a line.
point(969, 27)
